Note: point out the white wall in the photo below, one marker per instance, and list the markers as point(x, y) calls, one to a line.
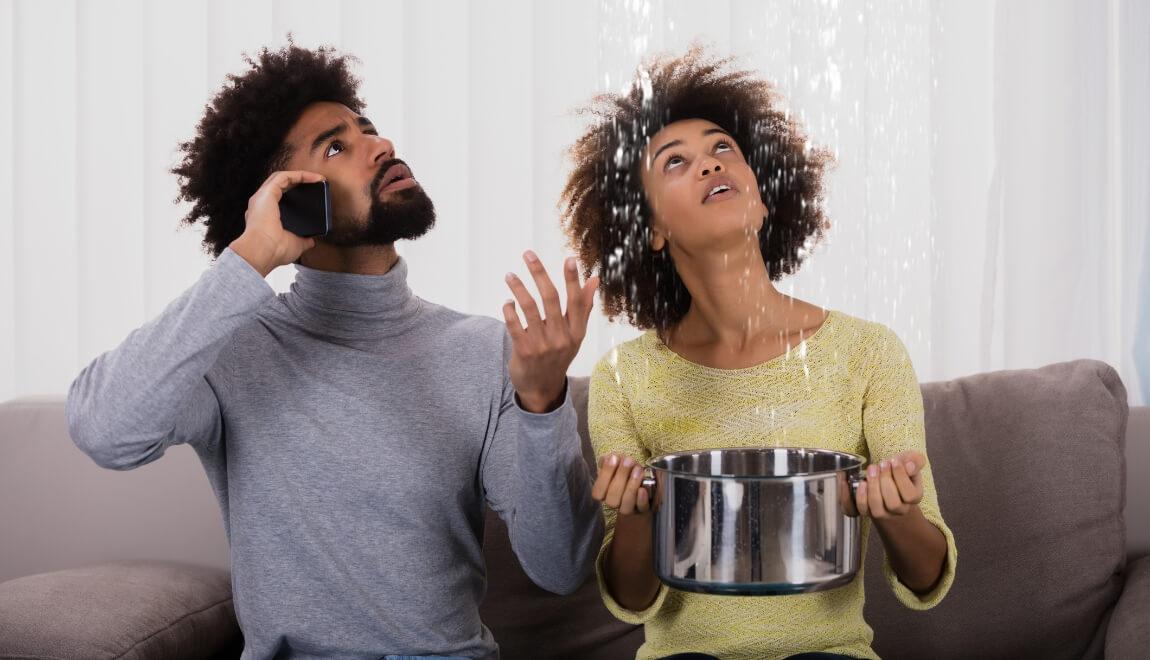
point(990, 203)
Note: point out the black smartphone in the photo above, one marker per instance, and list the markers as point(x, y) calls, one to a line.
point(305, 210)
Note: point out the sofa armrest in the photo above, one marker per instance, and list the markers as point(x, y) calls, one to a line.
point(1129, 633)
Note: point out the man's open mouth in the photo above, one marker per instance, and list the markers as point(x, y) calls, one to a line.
point(397, 177)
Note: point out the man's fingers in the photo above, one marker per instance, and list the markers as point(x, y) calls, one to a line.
point(511, 317)
point(280, 182)
point(530, 309)
point(586, 296)
point(547, 291)
point(571, 277)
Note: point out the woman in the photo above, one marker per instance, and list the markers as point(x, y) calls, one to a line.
point(690, 196)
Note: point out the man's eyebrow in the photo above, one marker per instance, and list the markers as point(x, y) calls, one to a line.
point(363, 122)
point(325, 136)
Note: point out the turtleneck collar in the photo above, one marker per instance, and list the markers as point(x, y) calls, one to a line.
point(350, 305)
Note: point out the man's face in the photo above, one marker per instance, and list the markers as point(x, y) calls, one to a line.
point(374, 198)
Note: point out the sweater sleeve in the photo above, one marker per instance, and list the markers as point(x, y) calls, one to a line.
point(154, 389)
point(893, 422)
point(535, 478)
point(613, 431)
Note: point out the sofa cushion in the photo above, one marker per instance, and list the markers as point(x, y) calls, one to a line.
point(529, 622)
point(1030, 474)
point(143, 609)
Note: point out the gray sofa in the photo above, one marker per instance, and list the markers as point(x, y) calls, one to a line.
point(1044, 476)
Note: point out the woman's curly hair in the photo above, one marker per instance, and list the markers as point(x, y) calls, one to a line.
point(604, 209)
point(240, 140)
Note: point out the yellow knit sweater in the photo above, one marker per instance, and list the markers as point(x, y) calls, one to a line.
point(849, 386)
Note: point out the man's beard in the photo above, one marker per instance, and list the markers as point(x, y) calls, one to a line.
point(408, 214)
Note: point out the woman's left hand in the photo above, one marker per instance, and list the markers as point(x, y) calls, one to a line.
point(893, 487)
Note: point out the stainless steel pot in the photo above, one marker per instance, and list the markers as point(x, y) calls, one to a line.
point(756, 521)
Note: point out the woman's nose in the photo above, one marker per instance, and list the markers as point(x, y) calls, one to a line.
point(712, 169)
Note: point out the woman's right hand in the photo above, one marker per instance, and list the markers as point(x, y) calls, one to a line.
point(620, 485)
point(265, 244)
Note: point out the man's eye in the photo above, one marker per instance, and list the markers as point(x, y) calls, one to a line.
point(335, 148)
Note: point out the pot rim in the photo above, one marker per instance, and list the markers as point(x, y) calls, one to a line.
point(761, 477)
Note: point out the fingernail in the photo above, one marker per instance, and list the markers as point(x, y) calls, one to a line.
point(510, 277)
point(909, 467)
point(627, 462)
point(885, 466)
point(570, 263)
point(612, 460)
point(636, 472)
point(530, 256)
point(894, 462)
point(872, 471)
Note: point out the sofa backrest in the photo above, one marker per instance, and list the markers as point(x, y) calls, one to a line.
point(1028, 465)
point(60, 510)
point(1029, 469)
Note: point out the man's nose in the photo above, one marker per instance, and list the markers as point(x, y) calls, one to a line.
point(382, 150)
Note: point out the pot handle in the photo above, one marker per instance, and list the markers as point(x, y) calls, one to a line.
point(853, 482)
point(649, 484)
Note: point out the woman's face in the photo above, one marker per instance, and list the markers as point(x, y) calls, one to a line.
point(703, 194)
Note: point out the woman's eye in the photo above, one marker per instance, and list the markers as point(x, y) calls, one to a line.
point(335, 148)
point(673, 161)
point(723, 146)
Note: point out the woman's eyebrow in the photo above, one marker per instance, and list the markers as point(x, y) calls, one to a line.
point(663, 148)
point(712, 131)
point(673, 143)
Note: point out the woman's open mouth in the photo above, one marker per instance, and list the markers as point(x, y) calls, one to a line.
point(719, 189)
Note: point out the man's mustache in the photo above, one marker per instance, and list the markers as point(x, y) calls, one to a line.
point(383, 168)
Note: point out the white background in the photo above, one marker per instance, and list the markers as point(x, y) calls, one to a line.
point(990, 204)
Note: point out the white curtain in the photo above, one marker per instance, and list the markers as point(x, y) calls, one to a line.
point(990, 204)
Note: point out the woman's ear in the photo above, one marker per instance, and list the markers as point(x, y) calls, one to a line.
point(658, 241)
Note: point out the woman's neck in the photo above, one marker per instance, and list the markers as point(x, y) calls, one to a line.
point(734, 304)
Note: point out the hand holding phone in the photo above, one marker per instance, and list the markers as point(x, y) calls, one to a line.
point(305, 210)
point(266, 242)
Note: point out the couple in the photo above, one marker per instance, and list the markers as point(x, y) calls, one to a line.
point(353, 432)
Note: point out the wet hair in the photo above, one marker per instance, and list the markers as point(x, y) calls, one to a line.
point(604, 209)
point(240, 139)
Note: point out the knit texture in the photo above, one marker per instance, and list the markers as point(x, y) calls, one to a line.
point(850, 386)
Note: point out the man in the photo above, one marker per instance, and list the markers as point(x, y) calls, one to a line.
point(352, 431)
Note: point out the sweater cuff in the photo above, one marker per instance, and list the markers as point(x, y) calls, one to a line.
point(934, 596)
point(618, 611)
point(547, 419)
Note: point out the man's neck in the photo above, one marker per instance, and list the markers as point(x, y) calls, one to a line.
point(361, 260)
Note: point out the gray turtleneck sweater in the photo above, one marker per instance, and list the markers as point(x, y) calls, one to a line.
point(352, 433)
